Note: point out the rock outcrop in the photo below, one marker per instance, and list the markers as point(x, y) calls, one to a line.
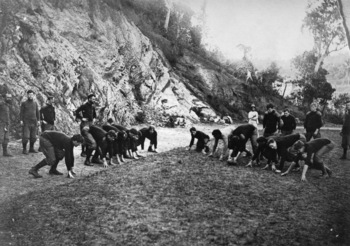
point(71, 48)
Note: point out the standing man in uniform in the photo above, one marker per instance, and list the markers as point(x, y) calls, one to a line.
point(313, 123)
point(289, 123)
point(30, 120)
point(345, 132)
point(271, 121)
point(48, 115)
point(86, 113)
point(5, 123)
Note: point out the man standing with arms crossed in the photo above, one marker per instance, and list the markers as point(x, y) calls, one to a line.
point(30, 120)
point(87, 114)
point(5, 123)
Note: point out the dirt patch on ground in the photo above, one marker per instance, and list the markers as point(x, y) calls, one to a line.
point(174, 198)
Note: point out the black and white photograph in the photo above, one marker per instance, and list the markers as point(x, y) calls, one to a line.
point(174, 122)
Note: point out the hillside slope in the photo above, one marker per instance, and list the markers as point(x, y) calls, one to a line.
point(69, 49)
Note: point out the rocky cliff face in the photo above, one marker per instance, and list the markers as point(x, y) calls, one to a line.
point(69, 49)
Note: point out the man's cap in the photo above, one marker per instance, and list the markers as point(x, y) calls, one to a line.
point(30, 91)
point(49, 97)
point(253, 105)
point(110, 120)
point(193, 129)
point(91, 95)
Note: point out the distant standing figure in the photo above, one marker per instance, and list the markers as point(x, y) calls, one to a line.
point(249, 76)
point(289, 123)
point(48, 115)
point(87, 114)
point(30, 120)
point(5, 123)
point(271, 122)
point(313, 123)
point(345, 132)
point(253, 117)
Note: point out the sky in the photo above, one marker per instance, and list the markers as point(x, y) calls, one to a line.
point(272, 28)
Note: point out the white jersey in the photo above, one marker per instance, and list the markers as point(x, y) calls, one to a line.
point(253, 118)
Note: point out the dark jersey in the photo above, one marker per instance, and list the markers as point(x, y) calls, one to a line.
point(29, 111)
point(314, 146)
point(145, 133)
point(271, 121)
point(346, 126)
point(61, 141)
point(200, 136)
point(87, 110)
point(48, 114)
point(313, 121)
point(289, 123)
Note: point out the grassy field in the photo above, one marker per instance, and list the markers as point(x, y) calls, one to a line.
point(183, 198)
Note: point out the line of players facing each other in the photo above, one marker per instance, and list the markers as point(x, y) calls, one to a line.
point(102, 145)
point(276, 149)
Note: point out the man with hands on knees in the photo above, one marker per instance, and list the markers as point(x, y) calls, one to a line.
point(202, 141)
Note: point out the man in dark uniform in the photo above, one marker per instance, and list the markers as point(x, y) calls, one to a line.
point(48, 115)
point(315, 149)
point(5, 123)
point(30, 120)
point(238, 138)
point(271, 121)
point(119, 142)
point(281, 144)
point(289, 123)
point(313, 123)
point(264, 149)
point(56, 146)
point(86, 113)
point(150, 133)
point(345, 132)
point(202, 142)
point(132, 141)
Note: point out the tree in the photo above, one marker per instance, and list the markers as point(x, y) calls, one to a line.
point(305, 64)
point(323, 20)
point(340, 101)
point(314, 84)
point(169, 5)
point(344, 9)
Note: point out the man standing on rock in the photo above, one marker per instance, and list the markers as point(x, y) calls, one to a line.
point(48, 115)
point(30, 120)
point(56, 146)
point(5, 123)
point(345, 132)
point(86, 113)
